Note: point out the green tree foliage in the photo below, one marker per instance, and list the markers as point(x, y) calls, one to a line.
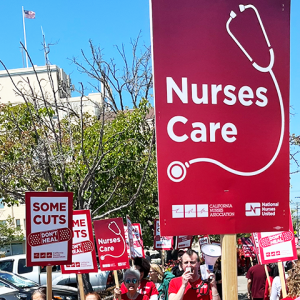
point(107, 160)
point(9, 233)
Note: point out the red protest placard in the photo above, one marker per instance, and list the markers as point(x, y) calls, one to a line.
point(138, 244)
point(161, 242)
point(277, 246)
point(111, 244)
point(130, 237)
point(183, 241)
point(221, 73)
point(48, 228)
point(203, 240)
point(83, 249)
point(248, 247)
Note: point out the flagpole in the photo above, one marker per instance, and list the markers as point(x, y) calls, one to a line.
point(25, 37)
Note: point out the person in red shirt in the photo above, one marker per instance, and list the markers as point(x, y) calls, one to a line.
point(256, 276)
point(146, 286)
point(131, 282)
point(190, 286)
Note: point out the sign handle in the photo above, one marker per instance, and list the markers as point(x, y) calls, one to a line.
point(229, 267)
point(80, 284)
point(251, 261)
point(49, 282)
point(117, 282)
point(282, 279)
point(49, 270)
point(267, 273)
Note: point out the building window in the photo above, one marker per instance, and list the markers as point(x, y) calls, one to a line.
point(3, 222)
point(18, 223)
point(1, 204)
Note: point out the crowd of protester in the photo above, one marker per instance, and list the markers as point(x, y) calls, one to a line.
point(146, 281)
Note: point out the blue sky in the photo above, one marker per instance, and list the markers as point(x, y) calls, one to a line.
point(106, 23)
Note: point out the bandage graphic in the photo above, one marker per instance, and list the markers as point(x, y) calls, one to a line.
point(82, 247)
point(49, 237)
point(177, 170)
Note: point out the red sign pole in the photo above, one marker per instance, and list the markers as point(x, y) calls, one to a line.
point(49, 270)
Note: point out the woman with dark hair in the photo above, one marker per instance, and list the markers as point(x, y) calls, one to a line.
point(146, 286)
point(131, 282)
point(272, 274)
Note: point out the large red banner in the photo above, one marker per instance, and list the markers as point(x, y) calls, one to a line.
point(221, 74)
point(111, 244)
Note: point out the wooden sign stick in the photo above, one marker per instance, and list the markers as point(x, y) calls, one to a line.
point(229, 268)
point(267, 273)
point(80, 284)
point(282, 279)
point(117, 282)
point(49, 270)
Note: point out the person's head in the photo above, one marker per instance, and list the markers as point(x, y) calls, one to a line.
point(274, 270)
point(179, 255)
point(142, 265)
point(92, 296)
point(132, 279)
point(40, 294)
point(156, 273)
point(293, 282)
point(147, 253)
point(191, 259)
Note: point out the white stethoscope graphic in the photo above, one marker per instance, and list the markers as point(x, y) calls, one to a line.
point(118, 232)
point(177, 170)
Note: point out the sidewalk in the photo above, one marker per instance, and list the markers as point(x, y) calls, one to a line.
point(242, 287)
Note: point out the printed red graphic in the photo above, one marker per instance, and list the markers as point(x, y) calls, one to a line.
point(49, 237)
point(82, 247)
point(276, 239)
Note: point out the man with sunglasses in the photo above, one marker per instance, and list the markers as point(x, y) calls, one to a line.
point(190, 285)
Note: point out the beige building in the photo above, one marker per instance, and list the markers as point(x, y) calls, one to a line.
point(18, 213)
point(29, 83)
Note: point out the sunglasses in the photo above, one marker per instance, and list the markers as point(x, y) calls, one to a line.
point(133, 280)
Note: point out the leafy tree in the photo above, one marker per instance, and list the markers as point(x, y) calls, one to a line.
point(9, 233)
point(107, 161)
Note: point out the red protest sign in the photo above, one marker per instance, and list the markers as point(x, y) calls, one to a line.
point(277, 246)
point(183, 241)
point(111, 244)
point(203, 240)
point(138, 244)
point(161, 242)
point(83, 250)
point(221, 73)
point(48, 228)
point(248, 247)
point(130, 237)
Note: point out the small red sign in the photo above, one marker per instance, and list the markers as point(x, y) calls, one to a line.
point(83, 250)
point(161, 242)
point(111, 244)
point(275, 247)
point(48, 228)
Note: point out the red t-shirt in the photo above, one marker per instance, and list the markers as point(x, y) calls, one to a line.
point(266, 296)
point(258, 278)
point(191, 292)
point(146, 287)
point(139, 297)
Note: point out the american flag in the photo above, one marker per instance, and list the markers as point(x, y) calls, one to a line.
point(29, 14)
